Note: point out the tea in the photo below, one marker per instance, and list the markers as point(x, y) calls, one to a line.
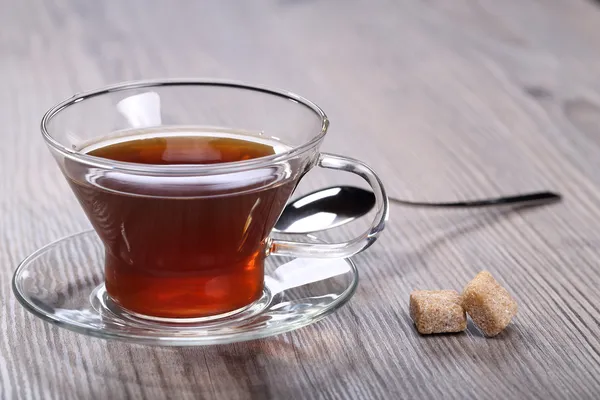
point(178, 250)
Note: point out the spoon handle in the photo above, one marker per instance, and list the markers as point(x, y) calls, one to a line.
point(536, 198)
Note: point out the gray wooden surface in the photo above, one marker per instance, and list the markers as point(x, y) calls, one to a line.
point(445, 99)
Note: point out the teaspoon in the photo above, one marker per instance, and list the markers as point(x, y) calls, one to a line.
point(335, 206)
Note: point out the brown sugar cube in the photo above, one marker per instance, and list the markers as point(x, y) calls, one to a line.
point(488, 304)
point(437, 311)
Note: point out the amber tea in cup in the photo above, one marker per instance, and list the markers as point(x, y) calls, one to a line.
point(183, 182)
point(174, 256)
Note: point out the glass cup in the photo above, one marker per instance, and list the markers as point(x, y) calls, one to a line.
point(188, 242)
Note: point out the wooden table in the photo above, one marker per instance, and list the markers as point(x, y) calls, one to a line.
point(446, 100)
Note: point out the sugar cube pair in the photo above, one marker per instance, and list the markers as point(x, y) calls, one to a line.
point(488, 304)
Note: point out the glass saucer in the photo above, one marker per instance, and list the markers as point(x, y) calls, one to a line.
point(62, 283)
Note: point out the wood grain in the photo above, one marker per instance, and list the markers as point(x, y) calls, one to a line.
point(446, 100)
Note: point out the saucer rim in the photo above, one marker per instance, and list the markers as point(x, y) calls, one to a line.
point(84, 329)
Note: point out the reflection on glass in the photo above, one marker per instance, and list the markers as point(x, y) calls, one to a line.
point(303, 271)
point(315, 222)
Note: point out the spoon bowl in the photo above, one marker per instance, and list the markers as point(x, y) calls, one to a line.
point(325, 209)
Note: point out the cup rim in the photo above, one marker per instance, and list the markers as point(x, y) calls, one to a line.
point(104, 163)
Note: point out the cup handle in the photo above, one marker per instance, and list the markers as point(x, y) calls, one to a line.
point(354, 246)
